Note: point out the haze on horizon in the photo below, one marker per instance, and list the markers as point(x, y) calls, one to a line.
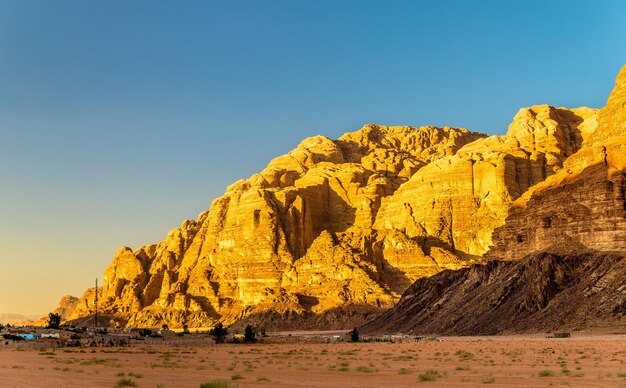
point(120, 119)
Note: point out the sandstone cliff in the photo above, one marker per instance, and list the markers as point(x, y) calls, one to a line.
point(559, 255)
point(336, 230)
point(583, 205)
point(455, 203)
point(296, 238)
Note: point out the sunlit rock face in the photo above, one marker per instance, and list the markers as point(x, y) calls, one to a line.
point(343, 224)
point(453, 204)
point(558, 261)
point(296, 237)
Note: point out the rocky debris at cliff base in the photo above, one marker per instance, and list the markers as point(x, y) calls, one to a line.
point(541, 293)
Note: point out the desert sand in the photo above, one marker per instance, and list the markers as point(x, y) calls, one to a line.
point(582, 361)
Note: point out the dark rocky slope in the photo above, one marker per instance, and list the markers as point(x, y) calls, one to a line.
point(540, 293)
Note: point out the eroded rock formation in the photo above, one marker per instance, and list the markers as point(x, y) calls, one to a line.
point(581, 206)
point(295, 238)
point(558, 260)
point(455, 203)
point(336, 230)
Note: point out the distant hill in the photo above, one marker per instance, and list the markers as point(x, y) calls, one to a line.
point(13, 318)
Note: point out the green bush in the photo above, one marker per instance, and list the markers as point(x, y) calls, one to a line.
point(219, 332)
point(249, 335)
point(489, 379)
point(215, 384)
point(463, 355)
point(125, 383)
point(12, 337)
point(430, 375)
point(54, 321)
point(354, 335)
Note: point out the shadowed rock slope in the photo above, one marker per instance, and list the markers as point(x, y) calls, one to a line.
point(540, 293)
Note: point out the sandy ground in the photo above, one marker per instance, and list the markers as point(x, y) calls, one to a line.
point(582, 361)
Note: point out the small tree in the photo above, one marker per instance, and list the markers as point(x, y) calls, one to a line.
point(1, 327)
point(354, 335)
point(219, 333)
point(185, 329)
point(248, 335)
point(165, 327)
point(54, 321)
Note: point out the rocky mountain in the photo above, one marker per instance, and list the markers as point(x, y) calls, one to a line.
point(294, 239)
point(335, 231)
point(583, 204)
point(558, 261)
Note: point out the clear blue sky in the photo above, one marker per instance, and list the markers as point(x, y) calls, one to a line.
point(119, 119)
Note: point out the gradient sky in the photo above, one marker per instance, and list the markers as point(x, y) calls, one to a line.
point(119, 119)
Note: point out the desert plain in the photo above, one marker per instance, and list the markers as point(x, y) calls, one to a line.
point(526, 360)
